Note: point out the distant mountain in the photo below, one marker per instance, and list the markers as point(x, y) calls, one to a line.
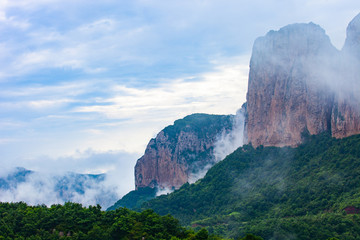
point(14, 178)
point(308, 192)
point(60, 188)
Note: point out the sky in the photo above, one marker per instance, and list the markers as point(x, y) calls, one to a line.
point(84, 85)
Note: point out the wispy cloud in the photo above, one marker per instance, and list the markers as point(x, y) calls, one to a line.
point(207, 91)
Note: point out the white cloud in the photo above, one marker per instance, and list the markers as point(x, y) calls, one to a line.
point(221, 91)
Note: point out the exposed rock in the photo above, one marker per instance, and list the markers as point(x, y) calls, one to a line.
point(284, 98)
point(300, 84)
point(180, 150)
point(345, 119)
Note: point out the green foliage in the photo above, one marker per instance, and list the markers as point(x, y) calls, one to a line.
point(72, 221)
point(250, 236)
point(276, 193)
point(135, 198)
point(204, 125)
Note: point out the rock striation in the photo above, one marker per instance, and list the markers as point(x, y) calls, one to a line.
point(180, 151)
point(300, 84)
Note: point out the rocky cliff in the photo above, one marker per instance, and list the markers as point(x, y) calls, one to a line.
point(181, 151)
point(345, 119)
point(300, 84)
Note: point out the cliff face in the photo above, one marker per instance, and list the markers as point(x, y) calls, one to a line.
point(180, 151)
point(294, 85)
point(345, 119)
point(284, 99)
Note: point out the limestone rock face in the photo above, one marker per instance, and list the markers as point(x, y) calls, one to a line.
point(180, 151)
point(284, 98)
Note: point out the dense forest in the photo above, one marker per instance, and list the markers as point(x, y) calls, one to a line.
point(308, 192)
point(73, 221)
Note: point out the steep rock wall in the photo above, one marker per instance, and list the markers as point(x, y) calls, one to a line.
point(345, 119)
point(284, 98)
point(300, 84)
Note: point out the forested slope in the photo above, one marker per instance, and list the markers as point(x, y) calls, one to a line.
point(308, 192)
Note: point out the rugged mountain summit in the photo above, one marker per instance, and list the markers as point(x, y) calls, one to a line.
point(180, 151)
point(300, 84)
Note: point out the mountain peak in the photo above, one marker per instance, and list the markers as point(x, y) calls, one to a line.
point(294, 40)
point(283, 102)
point(352, 42)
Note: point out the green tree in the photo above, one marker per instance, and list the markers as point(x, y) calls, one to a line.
point(250, 236)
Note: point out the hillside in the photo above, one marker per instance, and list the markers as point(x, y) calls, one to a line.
point(308, 192)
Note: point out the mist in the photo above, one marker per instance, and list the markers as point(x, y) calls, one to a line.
point(226, 143)
point(103, 179)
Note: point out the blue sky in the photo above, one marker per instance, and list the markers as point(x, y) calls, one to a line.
point(84, 85)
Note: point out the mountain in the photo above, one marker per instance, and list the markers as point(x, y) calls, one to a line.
point(307, 192)
point(15, 177)
point(298, 176)
point(300, 84)
point(183, 152)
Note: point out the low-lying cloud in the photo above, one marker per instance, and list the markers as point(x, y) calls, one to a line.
point(51, 183)
point(226, 143)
